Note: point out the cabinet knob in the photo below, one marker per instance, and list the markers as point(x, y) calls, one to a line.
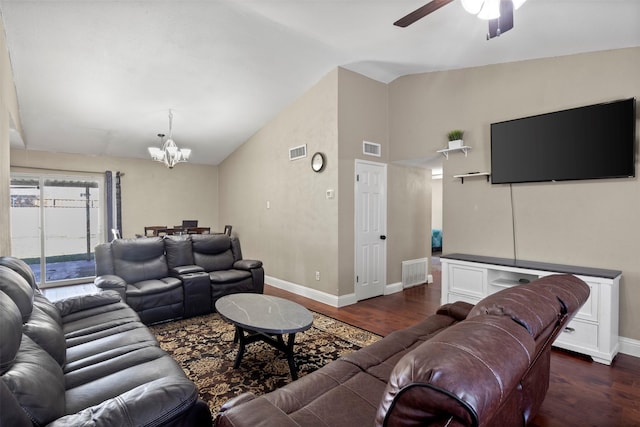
point(569, 330)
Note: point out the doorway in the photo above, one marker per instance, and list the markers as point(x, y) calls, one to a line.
point(370, 229)
point(56, 221)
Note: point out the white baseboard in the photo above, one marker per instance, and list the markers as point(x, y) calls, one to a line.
point(629, 346)
point(393, 288)
point(323, 297)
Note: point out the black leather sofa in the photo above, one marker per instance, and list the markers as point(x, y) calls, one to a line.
point(84, 361)
point(176, 276)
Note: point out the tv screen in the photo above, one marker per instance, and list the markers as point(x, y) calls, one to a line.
point(591, 142)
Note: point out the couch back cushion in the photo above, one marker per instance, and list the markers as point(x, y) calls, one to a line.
point(462, 376)
point(104, 259)
point(537, 306)
point(31, 378)
point(20, 267)
point(140, 259)
point(17, 288)
point(179, 251)
point(213, 252)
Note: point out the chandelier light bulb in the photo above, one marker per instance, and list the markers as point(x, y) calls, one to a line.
point(169, 154)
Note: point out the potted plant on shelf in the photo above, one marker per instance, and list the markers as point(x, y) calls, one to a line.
point(455, 139)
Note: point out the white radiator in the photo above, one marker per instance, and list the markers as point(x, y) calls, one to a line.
point(414, 272)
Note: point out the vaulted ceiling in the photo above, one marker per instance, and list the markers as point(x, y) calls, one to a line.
point(99, 76)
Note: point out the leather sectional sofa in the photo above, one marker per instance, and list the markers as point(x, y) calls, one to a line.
point(482, 365)
point(84, 361)
point(176, 276)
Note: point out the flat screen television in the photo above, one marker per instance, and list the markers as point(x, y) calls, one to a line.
point(591, 142)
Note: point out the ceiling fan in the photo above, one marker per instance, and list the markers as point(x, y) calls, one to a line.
point(499, 13)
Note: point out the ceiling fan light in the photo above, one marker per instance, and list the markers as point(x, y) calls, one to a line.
point(517, 4)
point(490, 10)
point(473, 6)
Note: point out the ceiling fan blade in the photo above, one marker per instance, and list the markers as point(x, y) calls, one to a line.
point(421, 12)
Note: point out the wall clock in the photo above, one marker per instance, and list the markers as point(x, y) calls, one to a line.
point(318, 162)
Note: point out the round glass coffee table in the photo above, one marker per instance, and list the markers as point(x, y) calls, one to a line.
point(266, 318)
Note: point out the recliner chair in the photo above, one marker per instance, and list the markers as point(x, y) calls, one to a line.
point(137, 269)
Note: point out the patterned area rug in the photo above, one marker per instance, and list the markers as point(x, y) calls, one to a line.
point(204, 347)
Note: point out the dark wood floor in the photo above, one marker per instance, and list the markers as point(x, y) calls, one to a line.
point(581, 392)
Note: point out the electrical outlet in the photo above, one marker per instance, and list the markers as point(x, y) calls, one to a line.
point(317, 275)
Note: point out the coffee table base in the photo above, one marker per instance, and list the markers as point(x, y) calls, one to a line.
point(245, 336)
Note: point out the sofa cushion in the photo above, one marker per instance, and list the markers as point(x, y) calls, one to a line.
point(36, 381)
point(11, 330)
point(17, 288)
point(458, 374)
point(179, 251)
point(213, 252)
point(20, 267)
point(228, 276)
point(102, 381)
point(47, 333)
point(535, 308)
point(139, 259)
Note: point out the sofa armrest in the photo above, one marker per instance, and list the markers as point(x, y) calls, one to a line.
point(247, 264)
point(74, 304)
point(155, 403)
point(185, 269)
point(112, 282)
point(457, 310)
point(251, 411)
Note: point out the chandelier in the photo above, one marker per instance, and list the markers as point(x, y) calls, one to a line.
point(487, 9)
point(169, 154)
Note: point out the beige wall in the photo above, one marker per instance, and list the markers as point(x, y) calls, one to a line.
point(436, 203)
point(9, 114)
point(298, 234)
point(151, 193)
point(588, 223)
point(409, 212)
point(362, 106)
point(303, 232)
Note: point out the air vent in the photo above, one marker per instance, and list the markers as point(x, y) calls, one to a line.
point(298, 152)
point(371, 148)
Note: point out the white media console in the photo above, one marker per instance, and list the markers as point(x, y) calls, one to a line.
point(594, 329)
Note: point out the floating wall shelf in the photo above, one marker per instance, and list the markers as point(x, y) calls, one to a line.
point(445, 152)
point(472, 175)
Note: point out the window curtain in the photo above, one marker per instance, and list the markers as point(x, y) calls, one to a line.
point(113, 203)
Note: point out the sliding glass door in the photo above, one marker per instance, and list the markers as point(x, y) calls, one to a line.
point(56, 222)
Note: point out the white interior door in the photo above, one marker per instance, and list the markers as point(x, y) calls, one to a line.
point(370, 226)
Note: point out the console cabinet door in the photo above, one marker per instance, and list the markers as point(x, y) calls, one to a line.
point(468, 281)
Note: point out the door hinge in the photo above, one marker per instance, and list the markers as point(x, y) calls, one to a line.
point(357, 279)
point(358, 177)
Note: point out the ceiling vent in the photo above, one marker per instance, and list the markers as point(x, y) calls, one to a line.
point(298, 152)
point(371, 148)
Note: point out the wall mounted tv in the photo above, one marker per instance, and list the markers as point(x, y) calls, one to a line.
point(590, 142)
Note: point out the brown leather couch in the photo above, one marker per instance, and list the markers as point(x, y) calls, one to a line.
point(482, 365)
